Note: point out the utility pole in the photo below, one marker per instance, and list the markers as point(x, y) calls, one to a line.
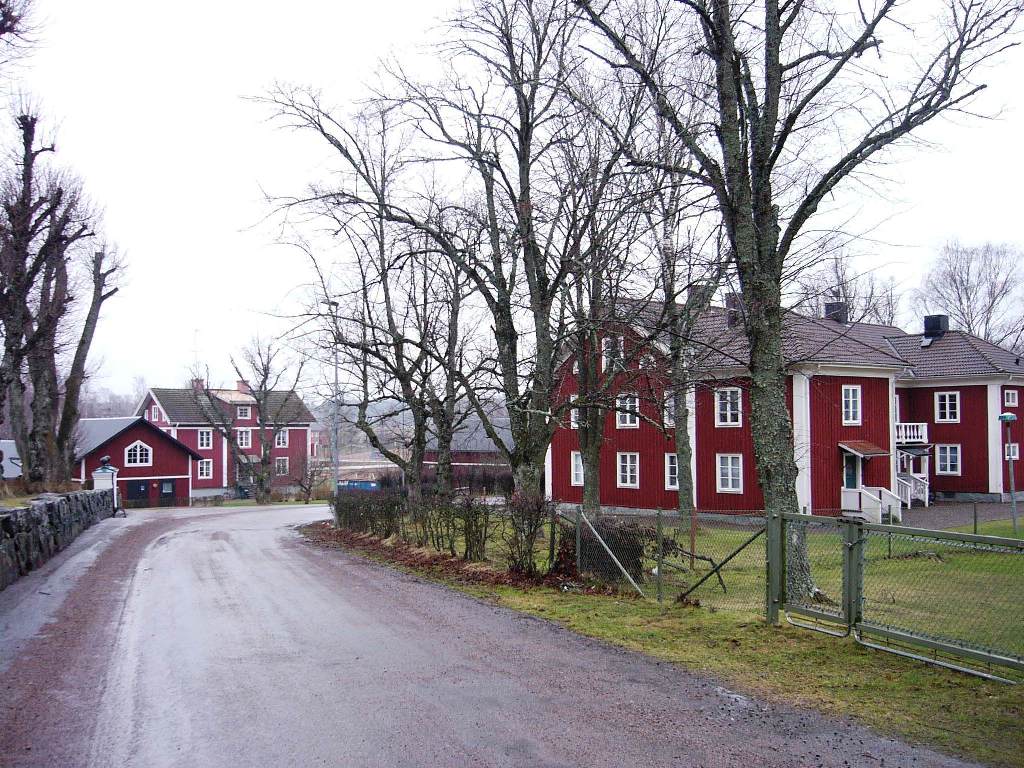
point(335, 408)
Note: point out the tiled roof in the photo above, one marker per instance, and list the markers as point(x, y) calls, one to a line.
point(805, 340)
point(188, 406)
point(955, 353)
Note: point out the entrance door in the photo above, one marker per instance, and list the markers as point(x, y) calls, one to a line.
point(851, 471)
point(166, 493)
point(136, 490)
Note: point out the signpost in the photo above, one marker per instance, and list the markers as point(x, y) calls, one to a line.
point(1008, 419)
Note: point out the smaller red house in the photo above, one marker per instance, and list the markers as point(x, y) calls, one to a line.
point(154, 469)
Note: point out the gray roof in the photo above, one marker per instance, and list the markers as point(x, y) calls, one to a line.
point(11, 460)
point(955, 353)
point(805, 339)
point(186, 406)
point(92, 433)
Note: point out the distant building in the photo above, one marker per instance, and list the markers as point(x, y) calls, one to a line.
point(153, 468)
point(183, 414)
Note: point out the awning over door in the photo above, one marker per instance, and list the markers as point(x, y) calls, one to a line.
point(916, 450)
point(865, 449)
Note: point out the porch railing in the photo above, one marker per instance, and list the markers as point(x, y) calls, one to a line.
point(911, 433)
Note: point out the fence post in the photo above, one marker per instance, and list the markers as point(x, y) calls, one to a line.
point(579, 540)
point(853, 570)
point(774, 531)
point(661, 540)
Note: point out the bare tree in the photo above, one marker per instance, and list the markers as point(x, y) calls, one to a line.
point(867, 297)
point(43, 274)
point(270, 383)
point(981, 288)
point(790, 108)
point(310, 475)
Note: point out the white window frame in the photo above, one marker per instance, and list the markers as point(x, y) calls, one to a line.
point(246, 409)
point(155, 413)
point(855, 416)
point(945, 448)
point(1011, 451)
point(207, 443)
point(719, 394)
point(625, 416)
point(668, 416)
point(608, 344)
point(149, 455)
point(574, 418)
point(955, 395)
point(718, 472)
point(207, 465)
point(671, 465)
point(278, 443)
point(575, 367)
point(622, 460)
point(575, 462)
point(248, 438)
point(277, 466)
point(1011, 398)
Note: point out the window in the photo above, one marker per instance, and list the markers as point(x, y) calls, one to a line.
point(281, 466)
point(669, 414)
point(205, 439)
point(1011, 398)
point(612, 353)
point(947, 407)
point(851, 405)
point(138, 454)
point(728, 411)
point(648, 363)
point(575, 367)
point(312, 450)
point(244, 412)
point(629, 470)
point(671, 472)
point(245, 438)
point(281, 439)
point(155, 413)
point(574, 418)
point(730, 473)
point(628, 413)
point(206, 469)
point(577, 468)
point(947, 459)
point(1012, 451)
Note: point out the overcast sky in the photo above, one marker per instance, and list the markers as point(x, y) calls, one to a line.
point(148, 104)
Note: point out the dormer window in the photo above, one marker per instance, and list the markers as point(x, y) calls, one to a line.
point(244, 412)
point(154, 413)
point(138, 454)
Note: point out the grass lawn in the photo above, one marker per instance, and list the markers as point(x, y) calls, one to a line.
point(1002, 528)
point(947, 710)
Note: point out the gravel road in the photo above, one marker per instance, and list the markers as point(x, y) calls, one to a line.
point(219, 638)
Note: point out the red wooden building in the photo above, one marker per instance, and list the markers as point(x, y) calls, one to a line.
point(185, 414)
point(154, 468)
point(880, 418)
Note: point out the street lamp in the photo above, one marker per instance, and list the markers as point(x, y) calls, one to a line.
point(1008, 419)
point(335, 416)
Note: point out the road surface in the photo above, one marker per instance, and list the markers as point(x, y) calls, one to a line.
point(218, 637)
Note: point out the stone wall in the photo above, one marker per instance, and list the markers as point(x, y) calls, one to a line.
point(29, 536)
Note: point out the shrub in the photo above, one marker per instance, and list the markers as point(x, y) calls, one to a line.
point(525, 515)
point(625, 538)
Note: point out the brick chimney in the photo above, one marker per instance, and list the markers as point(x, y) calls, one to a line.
point(733, 309)
point(198, 385)
point(242, 386)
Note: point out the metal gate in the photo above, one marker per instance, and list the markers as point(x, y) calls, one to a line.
point(946, 598)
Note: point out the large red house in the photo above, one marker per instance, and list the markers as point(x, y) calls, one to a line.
point(881, 418)
point(199, 418)
point(154, 468)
